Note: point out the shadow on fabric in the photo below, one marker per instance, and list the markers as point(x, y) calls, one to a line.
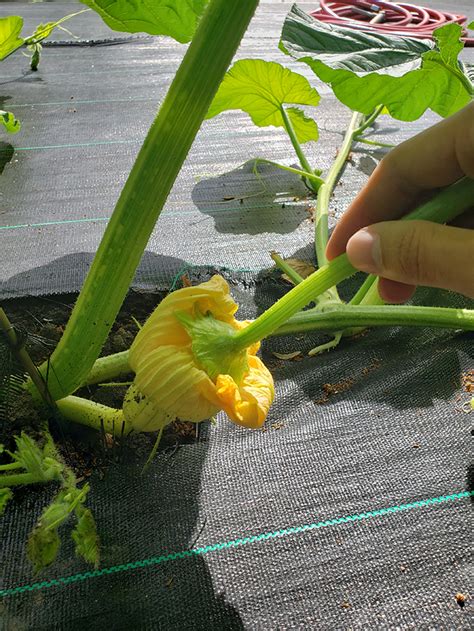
point(242, 203)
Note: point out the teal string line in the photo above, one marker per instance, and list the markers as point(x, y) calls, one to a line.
point(166, 214)
point(53, 223)
point(96, 143)
point(233, 543)
point(73, 102)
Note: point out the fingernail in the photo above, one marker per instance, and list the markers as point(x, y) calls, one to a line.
point(364, 252)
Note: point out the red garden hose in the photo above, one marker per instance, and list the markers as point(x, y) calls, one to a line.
point(398, 18)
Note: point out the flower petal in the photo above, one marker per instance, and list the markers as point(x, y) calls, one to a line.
point(247, 404)
point(142, 413)
point(168, 376)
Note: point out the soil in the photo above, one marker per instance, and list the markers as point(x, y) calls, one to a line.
point(41, 321)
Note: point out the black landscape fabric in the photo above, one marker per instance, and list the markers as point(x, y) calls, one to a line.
point(352, 508)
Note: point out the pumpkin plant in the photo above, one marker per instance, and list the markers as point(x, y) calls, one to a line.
point(193, 357)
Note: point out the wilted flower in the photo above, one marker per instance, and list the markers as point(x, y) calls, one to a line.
point(186, 365)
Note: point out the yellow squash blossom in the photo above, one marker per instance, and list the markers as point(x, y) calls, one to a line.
point(185, 365)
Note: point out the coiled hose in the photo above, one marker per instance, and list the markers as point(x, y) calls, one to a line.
point(381, 16)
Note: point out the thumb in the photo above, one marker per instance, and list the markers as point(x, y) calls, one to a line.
point(416, 253)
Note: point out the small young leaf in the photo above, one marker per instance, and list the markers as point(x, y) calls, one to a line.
point(261, 88)
point(176, 18)
point(448, 43)
point(10, 29)
point(43, 31)
point(86, 538)
point(438, 83)
point(42, 547)
point(59, 509)
point(29, 455)
point(470, 26)
point(44, 463)
point(5, 495)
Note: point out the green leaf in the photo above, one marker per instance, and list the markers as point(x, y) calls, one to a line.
point(42, 32)
point(29, 455)
point(470, 26)
point(5, 496)
point(86, 538)
point(261, 89)
point(36, 461)
point(42, 547)
point(10, 29)
point(448, 43)
point(347, 49)
point(59, 509)
point(8, 120)
point(438, 83)
point(176, 18)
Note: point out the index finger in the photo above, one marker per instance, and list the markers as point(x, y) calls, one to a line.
point(435, 158)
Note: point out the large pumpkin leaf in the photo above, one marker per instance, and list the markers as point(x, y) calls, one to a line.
point(176, 18)
point(347, 49)
point(10, 29)
point(261, 89)
point(439, 82)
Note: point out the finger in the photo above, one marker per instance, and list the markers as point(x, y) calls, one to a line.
point(435, 158)
point(394, 292)
point(416, 253)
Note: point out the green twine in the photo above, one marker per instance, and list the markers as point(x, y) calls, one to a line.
point(233, 543)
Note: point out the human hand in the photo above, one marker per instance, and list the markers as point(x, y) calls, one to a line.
point(405, 254)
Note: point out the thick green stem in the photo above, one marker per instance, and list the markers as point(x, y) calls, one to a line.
point(146, 190)
point(368, 122)
point(300, 296)
point(18, 479)
point(363, 289)
point(345, 316)
point(321, 229)
point(109, 367)
point(295, 142)
point(92, 414)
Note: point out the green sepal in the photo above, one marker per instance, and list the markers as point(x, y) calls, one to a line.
point(212, 345)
